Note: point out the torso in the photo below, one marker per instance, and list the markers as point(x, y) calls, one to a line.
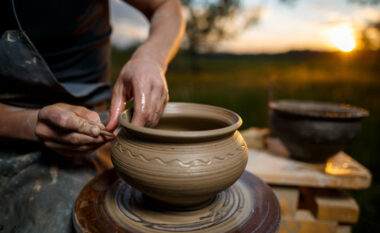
point(71, 35)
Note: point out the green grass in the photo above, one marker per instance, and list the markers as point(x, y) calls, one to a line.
point(244, 84)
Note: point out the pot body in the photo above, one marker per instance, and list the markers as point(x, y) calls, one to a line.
point(180, 174)
point(314, 131)
point(311, 139)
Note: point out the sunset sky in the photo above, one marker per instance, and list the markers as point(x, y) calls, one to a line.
point(307, 24)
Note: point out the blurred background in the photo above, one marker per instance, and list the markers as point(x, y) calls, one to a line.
point(242, 54)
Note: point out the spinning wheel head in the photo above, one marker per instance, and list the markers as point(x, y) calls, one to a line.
point(108, 204)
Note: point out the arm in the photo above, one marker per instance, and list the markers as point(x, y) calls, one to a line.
point(66, 129)
point(17, 123)
point(143, 76)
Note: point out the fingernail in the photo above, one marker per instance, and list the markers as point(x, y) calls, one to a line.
point(95, 131)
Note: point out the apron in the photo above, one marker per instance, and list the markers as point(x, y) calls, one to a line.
point(26, 79)
point(38, 188)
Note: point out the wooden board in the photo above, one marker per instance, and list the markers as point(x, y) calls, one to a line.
point(344, 229)
point(279, 170)
point(335, 205)
point(304, 222)
point(256, 138)
point(288, 198)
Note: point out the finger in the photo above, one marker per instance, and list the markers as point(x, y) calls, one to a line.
point(91, 120)
point(67, 120)
point(83, 112)
point(143, 113)
point(90, 116)
point(117, 105)
point(158, 103)
point(46, 132)
point(165, 100)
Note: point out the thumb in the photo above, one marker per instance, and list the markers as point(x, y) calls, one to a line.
point(117, 106)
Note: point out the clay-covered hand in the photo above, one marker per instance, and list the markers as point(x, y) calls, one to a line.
point(144, 80)
point(69, 129)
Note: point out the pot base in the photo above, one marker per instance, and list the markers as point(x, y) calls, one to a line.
point(108, 204)
point(143, 198)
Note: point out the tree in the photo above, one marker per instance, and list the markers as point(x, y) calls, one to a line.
point(209, 22)
point(370, 36)
point(364, 2)
point(369, 2)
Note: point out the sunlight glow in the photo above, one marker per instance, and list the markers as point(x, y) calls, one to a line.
point(342, 37)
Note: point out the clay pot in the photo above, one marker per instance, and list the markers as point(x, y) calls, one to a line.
point(194, 153)
point(314, 131)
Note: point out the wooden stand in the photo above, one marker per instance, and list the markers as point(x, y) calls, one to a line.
point(311, 196)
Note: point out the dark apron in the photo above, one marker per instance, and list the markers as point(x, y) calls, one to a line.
point(38, 188)
point(26, 79)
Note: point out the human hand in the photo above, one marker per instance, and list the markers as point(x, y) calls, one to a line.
point(144, 80)
point(69, 129)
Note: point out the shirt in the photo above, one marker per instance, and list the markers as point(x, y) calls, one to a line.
point(73, 36)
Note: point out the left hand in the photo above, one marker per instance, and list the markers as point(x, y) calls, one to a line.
point(68, 129)
point(144, 80)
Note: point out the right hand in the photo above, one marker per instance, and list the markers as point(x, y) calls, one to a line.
point(144, 80)
point(70, 130)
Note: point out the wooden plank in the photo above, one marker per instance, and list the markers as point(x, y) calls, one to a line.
point(255, 138)
point(288, 198)
point(344, 229)
point(304, 222)
point(277, 170)
point(336, 205)
point(329, 204)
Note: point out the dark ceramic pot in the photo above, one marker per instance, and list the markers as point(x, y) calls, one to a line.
point(314, 131)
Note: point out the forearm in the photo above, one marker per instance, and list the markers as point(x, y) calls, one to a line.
point(17, 123)
point(166, 32)
point(143, 76)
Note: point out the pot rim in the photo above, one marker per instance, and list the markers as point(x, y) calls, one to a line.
point(229, 117)
point(321, 110)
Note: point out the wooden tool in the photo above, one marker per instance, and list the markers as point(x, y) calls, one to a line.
point(106, 133)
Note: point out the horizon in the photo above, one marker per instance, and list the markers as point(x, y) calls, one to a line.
point(132, 47)
point(316, 25)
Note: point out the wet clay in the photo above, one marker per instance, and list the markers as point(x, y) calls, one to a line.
point(189, 124)
point(194, 153)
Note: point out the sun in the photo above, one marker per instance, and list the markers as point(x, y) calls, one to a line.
point(342, 37)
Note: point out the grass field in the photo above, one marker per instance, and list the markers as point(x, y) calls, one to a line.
point(244, 84)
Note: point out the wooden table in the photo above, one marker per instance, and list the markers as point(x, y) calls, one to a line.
point(312, 196)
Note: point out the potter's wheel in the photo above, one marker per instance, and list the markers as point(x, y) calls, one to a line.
point(108, 204)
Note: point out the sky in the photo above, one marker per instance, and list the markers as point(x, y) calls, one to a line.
point(325, 25)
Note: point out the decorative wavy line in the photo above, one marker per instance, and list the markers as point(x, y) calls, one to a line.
point(193, 163)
